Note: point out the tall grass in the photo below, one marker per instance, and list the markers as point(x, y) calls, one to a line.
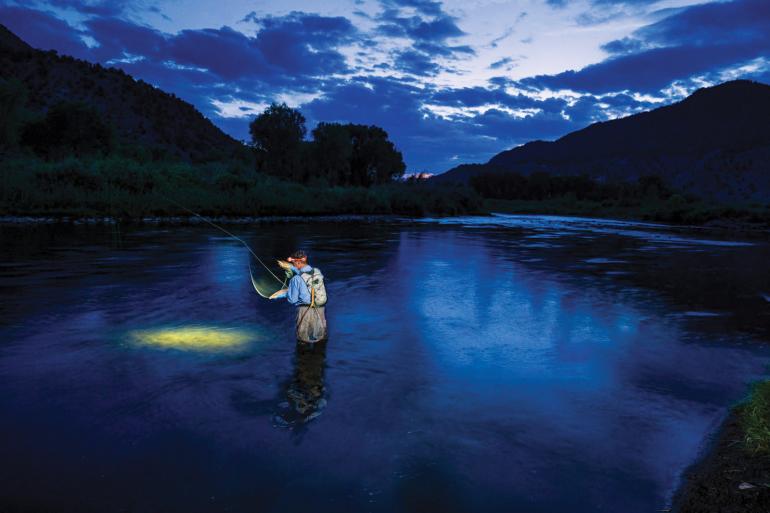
point(121, 187)
point(756, 418)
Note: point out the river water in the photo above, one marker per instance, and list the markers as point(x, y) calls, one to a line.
point(505, 363)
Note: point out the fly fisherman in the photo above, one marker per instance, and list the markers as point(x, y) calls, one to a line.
point(307, 292)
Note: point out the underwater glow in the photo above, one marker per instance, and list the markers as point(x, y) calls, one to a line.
point(193, 338)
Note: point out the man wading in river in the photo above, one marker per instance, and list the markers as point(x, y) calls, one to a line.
point(307, 292)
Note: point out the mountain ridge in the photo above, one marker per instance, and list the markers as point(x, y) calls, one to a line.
point(715, 143)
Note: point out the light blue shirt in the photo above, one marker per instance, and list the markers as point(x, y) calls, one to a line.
point(298, 293)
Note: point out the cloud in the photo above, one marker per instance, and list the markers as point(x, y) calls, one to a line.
point(286, 50)
point(226, 52)
point(117, 37)
point(44, 31)
point(440, 29)
point(305, 43)
point(428, 27)
point(424, 137)
point(698, 40)
point(100, 8)
point(506, 63)
point(424, 7)
point(482, 96)
point(415, 63)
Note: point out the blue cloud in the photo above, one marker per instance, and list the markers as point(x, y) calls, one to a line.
point(415, 63)
point(44, 31)
point(417, 28)
point(701, 39)
point(305, 43)
point(429, 29)
point(481, 96)
point(425, 7)
point(99, 7)
point(434, 143)
point(443, 50)
point(288, 49)
point(117, 37)
point(226, 52)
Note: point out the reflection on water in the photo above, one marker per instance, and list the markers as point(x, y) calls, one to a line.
point(502, 363)
point(304, 393)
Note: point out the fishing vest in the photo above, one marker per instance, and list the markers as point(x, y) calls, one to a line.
point(315, 284)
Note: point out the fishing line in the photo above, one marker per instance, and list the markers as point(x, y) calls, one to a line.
point(282, 282)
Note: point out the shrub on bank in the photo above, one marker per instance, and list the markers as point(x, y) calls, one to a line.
point(123, 187)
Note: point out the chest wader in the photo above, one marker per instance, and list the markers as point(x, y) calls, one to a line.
point(311, 321)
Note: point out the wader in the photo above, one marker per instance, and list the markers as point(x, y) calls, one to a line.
point(311, 323)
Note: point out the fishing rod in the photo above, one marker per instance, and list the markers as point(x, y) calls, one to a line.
point(282, 282)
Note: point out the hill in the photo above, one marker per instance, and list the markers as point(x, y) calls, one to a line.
point(140, 113)
point(715, 143)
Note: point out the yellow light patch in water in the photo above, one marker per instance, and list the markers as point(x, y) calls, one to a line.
point(194, 338)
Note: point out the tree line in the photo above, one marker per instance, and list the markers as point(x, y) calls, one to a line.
point(70, 160)
point(542, 186)
point(339, 154)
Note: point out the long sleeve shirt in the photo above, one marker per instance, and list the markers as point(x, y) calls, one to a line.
point(298, 293)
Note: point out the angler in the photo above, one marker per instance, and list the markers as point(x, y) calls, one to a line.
point(307, 292)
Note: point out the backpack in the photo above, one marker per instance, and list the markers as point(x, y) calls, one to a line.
point(315, 284)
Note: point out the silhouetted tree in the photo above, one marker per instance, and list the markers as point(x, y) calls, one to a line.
point(539, 186)
point(277, 135)
point(332, 151)
point(68, 129)
point(375, 159)
point(653, 186)
point(13, 98)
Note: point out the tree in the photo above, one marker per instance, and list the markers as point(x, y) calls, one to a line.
point(332, 152)
point(277, 135)
point(13, 98)
point(375, 159)
point(68, 129)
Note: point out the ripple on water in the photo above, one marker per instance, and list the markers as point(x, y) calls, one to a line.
point(599, 260)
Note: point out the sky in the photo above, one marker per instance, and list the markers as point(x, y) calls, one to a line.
point(451, 82)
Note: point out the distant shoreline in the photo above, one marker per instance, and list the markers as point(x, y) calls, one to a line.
point(189, 220)
point(193, 220)
point(593, 210)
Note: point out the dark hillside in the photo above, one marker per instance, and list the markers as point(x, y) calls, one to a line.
point(715, 143)
point(141, 114)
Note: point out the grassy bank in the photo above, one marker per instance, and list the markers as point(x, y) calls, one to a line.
point(735, 474)
point(126, 188)
point(755, 416)
point(672, 210)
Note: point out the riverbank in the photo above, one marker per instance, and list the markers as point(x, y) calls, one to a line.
point(195, 220)
point(750, 218)
point(734, 474)
point(122, 188)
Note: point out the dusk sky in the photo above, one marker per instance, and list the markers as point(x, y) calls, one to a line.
point(452, 82)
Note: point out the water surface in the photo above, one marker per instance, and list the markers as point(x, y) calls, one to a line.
point(506, 363)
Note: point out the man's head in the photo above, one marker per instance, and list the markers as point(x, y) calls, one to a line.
point(298, 258)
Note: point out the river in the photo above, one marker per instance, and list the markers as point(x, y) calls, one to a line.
point(504, 363)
